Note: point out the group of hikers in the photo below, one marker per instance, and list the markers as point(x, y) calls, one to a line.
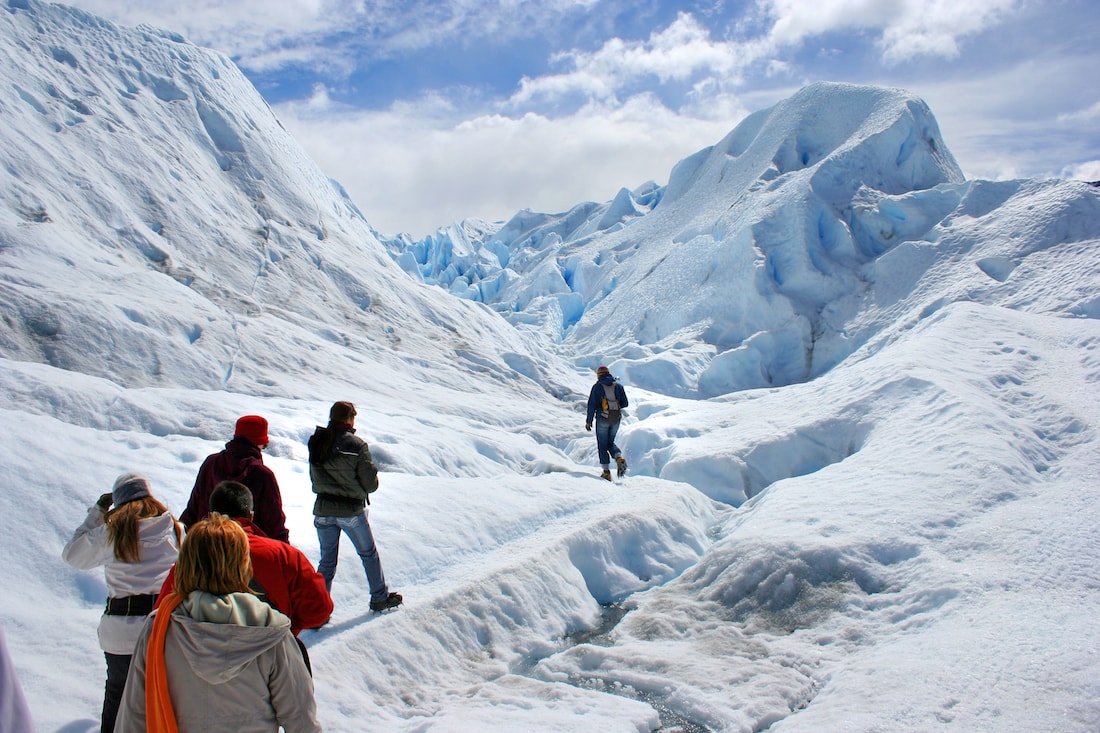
point(231, 594)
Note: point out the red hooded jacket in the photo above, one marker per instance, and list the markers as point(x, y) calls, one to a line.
point(290, 582)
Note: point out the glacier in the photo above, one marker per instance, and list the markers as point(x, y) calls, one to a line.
point(862, 436)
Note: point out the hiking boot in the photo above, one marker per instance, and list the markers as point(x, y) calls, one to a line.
point(606, 474)
point(622, 465)
point(393, 600)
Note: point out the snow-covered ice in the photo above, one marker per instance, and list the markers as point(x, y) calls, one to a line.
point(864, 477)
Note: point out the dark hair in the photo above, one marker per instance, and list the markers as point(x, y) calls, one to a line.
point(341, 412)
point(233, 499)
point(324, 438)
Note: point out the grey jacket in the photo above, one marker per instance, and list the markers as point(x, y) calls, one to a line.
point(233, 664)
point(344, 481)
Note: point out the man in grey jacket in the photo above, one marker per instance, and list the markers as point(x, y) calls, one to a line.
point(343, 477)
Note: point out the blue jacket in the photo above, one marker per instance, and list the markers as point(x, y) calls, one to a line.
point(595, 397)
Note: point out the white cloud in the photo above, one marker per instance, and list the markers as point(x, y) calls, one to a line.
point(242, 28)
point(336, 35)
point(1087, 171)
point(1088, 115)
point(797, 20)
point(909, 28)
point(679, 53)
point(414, 167)
point(1019, 120)
point(933, 29)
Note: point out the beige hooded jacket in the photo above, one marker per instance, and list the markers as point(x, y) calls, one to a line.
point(233, 664)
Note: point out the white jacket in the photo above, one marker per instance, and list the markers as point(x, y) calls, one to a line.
point(89, 548)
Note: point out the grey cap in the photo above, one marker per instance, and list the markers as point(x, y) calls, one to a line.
point(128, 487)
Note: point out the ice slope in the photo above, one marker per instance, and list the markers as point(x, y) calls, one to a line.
point(744, 256)
point(919, 549)
point(767, 258)
point(905, 542)
point(516, 266)
point(177, 179)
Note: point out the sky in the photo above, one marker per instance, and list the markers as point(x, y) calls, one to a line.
point(428, 112)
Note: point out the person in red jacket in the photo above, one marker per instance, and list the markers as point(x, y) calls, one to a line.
point(282, 574)
point(242, 461)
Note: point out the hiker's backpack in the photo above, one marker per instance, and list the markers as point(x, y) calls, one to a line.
point(609, 405)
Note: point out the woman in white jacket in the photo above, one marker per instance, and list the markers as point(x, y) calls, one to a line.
point(137, 543)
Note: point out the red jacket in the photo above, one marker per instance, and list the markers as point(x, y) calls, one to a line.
point(291, 584)
point(240, 461)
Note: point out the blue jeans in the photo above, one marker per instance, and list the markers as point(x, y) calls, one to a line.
point(357, 528)
point(605, 441)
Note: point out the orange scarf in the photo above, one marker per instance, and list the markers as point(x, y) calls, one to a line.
point(159, 715)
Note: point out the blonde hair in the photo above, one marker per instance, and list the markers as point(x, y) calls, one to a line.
point(123, 527)
point(214, 558)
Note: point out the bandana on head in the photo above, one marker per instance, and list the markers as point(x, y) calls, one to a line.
point(129, 487)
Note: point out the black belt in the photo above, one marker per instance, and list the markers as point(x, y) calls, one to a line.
point(141, 605)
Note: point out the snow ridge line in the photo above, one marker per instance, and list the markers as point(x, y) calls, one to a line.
point(529, 597)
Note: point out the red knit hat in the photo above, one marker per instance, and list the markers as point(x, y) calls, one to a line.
point(254, 429)
point(600, 371)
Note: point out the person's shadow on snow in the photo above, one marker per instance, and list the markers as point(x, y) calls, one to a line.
point(331, 629)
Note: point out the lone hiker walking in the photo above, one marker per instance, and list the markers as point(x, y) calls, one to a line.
point(605, 403)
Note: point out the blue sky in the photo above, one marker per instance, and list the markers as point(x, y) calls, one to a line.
point(428, 112)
